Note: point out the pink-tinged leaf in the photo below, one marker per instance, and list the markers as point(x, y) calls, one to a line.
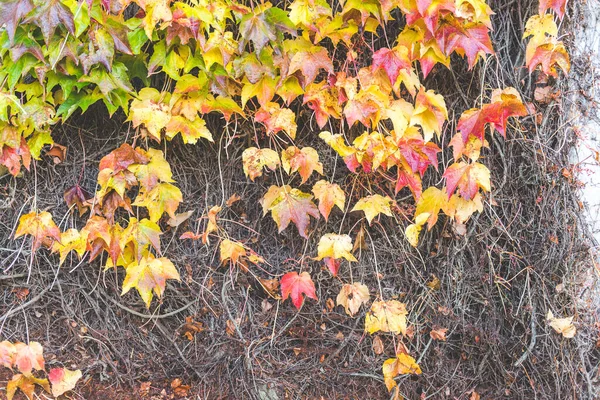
point(557, 5)
point(294, 286)
point(392, 61)
point(29, 357)
point(468, 178)
point(63, 380)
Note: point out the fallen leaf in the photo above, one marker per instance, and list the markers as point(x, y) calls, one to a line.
point(352, 296)
point(401, 365)
point(26, 384)
point(386, 316)
point(564, 326)
point(294, 285)
point(374, 205)
point(377, 345)
point(63, 380)
point(438, 334)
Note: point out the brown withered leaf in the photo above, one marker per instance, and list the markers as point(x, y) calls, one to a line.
point(438, 334)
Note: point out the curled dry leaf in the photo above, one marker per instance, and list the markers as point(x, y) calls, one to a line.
point(438, 334)
point(378, 345)
point(564, 326)
point(352, 296)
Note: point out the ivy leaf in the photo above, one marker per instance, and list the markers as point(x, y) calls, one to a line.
point(63, 380)
point(329, 195)
point(468, 178)
point(548, 54)
point(156, 10)
point(386, 316)
point(472, 40)
point(309, 61)
point(212, 225)
point(148, 275)
point(8, 352)
point(40, 226)
point(231, 251)
point(277, 119)
point(413, 230)
point(564, 326)
point(263, 89)
point(141, 234)
point(29, 357)
point(367, 107)
point(255, 160)
point(294, 286)
point(26, 384)
point(336, 246)
point(557, 5)
point(71, 239)
point(306, 12)
point(323, 100)
point(373, 205)
point(150, 168)
point(101, 49)
point(430, 113)
point(164, 197)
point(191, 130)
point(49, 15)
point(151, 109)
point(460, 210)
point(352, 296)
point(305, 161)
point(11, 13)
point(392, 61)
point(401, 365)
point(289, 205)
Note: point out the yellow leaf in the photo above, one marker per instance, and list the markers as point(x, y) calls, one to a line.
point(26, 384)
point(401, 365)
point(40, 226)
point(71, 239)
point(386, 316)
point(431, 201)
point(337, 143)
point(564, 326)
point(413, 230)
point(155, 171)
point(335, 246)
point(212, 225)
point(164, 197)
point(460, 209)
point(277, 119)
point(289, 205)
point(255, 160)
point(147, 275)
point(328, 194)
point(231, 251)
point(539, 26)
point(191, 130)
point(430, 113)
point(374, 205)
point(351, 297)
point(151, 108)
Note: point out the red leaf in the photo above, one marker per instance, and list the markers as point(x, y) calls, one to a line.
point(557, 5)
point(392, 61)
point(121, 158)
point(294, 286)
point(466, 39)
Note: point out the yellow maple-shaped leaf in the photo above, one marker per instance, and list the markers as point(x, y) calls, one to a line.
point(155, 11)
point(460, 209)
point(335, 246)
point(430, 113)
point(156, 170)
point(373, 205)
point(26, 384)
point(305, 161)
point(277, 119)
point(337, 143)
point(164, 197)
point(539, 27)
point(399, 112)
point(324, 101)
point(39, 225)
point(386, 316)
point(255, 160)
point(564, 326)
point(231, 251)
point(190, 130)
point(151, 108)
point(147, 275)
point(474, 11)
point(263, 89)
point(431, 202)
point(401, 365)
point(329, 195)
point(306, 12)
point(352, 296)
point(289, 205)
point(71, 239)
point(413, 230)
point(139, 234)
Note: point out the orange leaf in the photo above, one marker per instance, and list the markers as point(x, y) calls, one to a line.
point(40, 226)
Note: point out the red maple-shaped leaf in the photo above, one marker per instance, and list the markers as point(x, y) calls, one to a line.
point(467, 39)
point(468, 178)
point(294, 286)
point(557, 5)
point(392, 61)
point(309, 61)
